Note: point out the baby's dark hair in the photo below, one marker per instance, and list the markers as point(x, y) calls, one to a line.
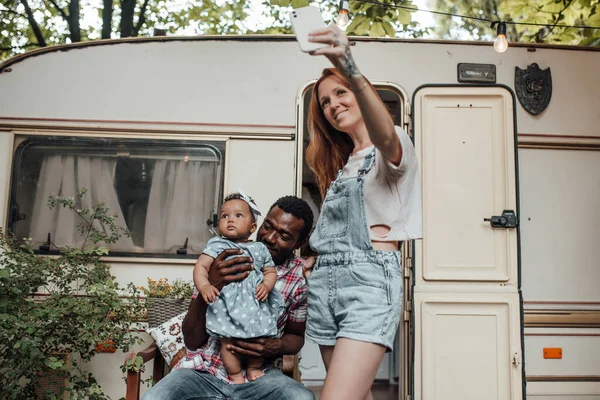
point(299, 209)
point(237, 196)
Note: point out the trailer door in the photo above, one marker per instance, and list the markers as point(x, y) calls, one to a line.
point(466, 301)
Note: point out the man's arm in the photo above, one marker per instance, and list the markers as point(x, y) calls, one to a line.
point(221, 273)
point(194, 324)
point(290, 342)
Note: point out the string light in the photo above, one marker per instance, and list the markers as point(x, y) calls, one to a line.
point(342, 18)
point(500, 44)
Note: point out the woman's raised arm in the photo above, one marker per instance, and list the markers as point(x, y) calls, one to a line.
point(375, 115)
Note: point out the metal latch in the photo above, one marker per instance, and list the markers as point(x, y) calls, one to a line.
point(516, 359)
point(508, 219)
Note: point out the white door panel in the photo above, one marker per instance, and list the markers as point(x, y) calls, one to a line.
point(466, 149)
point(467, 317)
point(468, 347)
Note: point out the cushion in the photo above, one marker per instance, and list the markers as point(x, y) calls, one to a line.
point(169, 337)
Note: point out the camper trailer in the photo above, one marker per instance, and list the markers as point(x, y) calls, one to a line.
point(501, 297)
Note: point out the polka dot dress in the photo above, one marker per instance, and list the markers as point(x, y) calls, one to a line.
point(237, 313)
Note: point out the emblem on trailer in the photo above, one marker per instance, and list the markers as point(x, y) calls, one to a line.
point(534, 88)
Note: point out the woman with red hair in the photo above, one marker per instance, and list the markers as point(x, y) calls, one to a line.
point(366, 169)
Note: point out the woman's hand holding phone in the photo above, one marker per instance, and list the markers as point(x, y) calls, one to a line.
point(316, 38)
point(337, 49)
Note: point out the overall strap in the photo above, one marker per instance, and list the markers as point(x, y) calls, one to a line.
point(369, 161)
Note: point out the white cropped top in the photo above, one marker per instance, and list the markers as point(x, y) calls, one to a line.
point(392, 193)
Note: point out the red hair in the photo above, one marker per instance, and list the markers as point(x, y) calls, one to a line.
point(329, 149)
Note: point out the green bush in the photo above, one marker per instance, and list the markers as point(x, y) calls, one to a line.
point(63, 305)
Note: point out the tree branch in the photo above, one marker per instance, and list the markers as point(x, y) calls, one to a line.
point(567, 4)
point(60, 10)
point(34, 25)
point(141, 19)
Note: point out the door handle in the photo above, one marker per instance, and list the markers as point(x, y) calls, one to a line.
point(507, 220)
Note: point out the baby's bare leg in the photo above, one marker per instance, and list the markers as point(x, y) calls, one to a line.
point(232, 363)
point(254, 368)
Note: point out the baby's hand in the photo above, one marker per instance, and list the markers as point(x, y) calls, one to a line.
point(209, 293)
point(262, 292)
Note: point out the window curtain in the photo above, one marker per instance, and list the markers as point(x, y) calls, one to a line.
point(182, 199)
point(65, 175)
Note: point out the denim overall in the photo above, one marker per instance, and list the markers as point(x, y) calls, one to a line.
point(354, 291)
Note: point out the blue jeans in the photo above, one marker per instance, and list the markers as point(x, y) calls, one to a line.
point(189, 384)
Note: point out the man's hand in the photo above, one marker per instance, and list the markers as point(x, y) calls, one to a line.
point(264, 348)
point(209, 293)
point(262, 292)
point(224, 271)
point(308, 266)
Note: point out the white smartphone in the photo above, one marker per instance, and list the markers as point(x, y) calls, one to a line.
point(305, 20)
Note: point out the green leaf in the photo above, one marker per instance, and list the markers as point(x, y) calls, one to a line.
point(377, 30)
point(404, 17)
point(389, 29)
point(363, 28)
point(356, 21)
point(299, 3)
point(593, 20)
point(281, 3)
point(553, 7)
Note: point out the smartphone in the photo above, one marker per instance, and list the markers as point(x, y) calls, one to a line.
point(305, 20)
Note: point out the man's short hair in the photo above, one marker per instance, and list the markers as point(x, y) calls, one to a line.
point(299, 209)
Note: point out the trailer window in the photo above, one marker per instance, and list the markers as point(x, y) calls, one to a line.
point(163, 192)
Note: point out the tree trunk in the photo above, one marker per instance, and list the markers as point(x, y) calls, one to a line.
point(141, 19)
point(34, 25)
point(107, 14)
point(73, 21)
point(127, 9)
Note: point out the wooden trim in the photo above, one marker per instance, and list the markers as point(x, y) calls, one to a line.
point(564, 378)
point(562, 318)
point(562, 334)
point(558, 142)
point(586, 303)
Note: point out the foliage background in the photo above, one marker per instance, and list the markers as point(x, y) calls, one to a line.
point(29, 24)
point(66, 304)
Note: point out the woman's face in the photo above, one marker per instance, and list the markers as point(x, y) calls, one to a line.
point(338, 104)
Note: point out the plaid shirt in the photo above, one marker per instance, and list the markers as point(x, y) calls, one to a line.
point(292, 287)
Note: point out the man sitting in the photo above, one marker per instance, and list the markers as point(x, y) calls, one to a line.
point(201, 374)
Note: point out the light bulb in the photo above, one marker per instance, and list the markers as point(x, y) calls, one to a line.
point(342, 19)
point(501, 44)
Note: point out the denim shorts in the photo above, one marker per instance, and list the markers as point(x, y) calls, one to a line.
point(355, 295)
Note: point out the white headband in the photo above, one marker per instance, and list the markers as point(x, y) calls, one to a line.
point(251, 204)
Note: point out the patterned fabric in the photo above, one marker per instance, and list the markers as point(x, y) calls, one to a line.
point(169, 337)
point(237, 313)
point(290, 283)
